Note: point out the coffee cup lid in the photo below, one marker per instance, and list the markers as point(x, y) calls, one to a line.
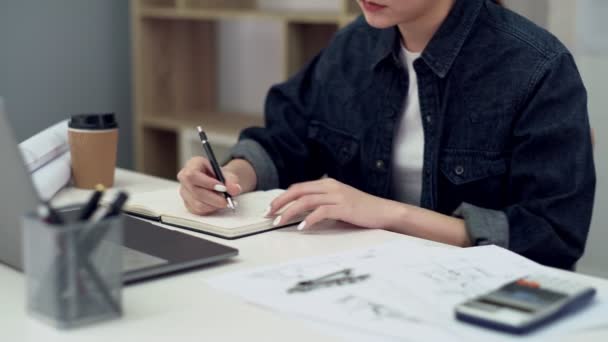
point(93, 121)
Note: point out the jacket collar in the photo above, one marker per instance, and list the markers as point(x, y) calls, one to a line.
point(445, 45)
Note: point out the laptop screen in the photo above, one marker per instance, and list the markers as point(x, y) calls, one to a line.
point(17, 194)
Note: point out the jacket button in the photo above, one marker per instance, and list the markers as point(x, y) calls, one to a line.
point(429, 119)
point(459, 170)
point(380, 164)
point(344, 151)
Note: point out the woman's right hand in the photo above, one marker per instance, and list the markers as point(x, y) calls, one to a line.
point(201, 191)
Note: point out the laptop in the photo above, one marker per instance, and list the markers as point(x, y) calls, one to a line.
point(149, 251)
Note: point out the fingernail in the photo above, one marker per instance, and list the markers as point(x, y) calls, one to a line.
point(302, 225)
point(220, 188)
point(240, 188)
point(276, 221)
point(267, 211)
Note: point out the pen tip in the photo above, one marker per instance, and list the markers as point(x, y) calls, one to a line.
point(231, 204)
point(199, 129)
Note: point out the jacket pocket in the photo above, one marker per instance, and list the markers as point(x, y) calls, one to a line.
point(339, 145)
point(461, 167)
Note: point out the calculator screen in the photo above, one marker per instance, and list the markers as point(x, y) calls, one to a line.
point(528, 298)
point(525, 295)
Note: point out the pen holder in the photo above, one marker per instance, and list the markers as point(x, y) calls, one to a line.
point(73, 271)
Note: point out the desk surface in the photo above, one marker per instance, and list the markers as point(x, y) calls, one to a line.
point(184, 306)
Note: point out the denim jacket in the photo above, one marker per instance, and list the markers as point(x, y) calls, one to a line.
point(504, 111)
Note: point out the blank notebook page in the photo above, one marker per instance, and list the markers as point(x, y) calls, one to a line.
point(250, 210)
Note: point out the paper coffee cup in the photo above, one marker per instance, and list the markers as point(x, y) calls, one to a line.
point(93, 142)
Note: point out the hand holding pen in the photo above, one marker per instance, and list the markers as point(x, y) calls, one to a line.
point(201, 190)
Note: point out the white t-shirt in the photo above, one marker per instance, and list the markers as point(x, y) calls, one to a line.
point(408, 144)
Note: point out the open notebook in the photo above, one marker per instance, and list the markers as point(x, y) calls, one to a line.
point(167, 207)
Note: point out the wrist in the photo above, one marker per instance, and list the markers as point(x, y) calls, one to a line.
point(465, 238)
point(397, 216)
point(245, 172)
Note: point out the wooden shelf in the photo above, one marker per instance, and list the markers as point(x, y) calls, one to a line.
point(176, 58)
point(351, 8)
point(157, 153)
point(220, 122)
point(225, 14)
point(303, 43)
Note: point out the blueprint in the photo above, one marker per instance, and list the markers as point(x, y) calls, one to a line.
point(409, 291)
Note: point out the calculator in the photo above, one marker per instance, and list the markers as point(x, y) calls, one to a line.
point(525, 304)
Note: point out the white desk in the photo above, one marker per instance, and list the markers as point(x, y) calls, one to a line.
point(183, 306)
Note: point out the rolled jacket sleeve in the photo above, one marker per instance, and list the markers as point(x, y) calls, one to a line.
point(265, 170)
point(484, 226)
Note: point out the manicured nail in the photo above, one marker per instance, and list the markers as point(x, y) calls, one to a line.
point(267, 211)
point(302, 225)
point(220, 188)
point(276, 221)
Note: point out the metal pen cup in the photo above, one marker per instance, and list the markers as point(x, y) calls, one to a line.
point(73, 271)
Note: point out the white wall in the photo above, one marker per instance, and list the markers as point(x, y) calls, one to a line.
point(594, 69)
point(251, 57)
point(64, 57)
point(592, 57)
point(535, 10)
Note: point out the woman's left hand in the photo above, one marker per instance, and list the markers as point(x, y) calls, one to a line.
point(330, 199)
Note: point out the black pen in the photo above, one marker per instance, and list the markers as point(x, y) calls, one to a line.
point(215, 165)
point(116, 206)
point(91, 234)
point(92, 204)
point(88, 241)
point(113, 209)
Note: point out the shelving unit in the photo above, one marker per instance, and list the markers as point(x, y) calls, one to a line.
point(175, 59)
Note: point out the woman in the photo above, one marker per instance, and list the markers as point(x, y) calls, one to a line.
point(451, 120)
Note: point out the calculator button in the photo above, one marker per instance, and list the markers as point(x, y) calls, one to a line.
point(528, 283)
